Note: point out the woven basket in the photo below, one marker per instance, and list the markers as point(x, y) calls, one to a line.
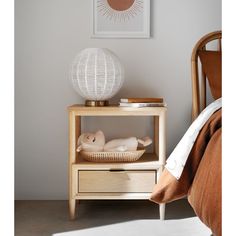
point(129, 156)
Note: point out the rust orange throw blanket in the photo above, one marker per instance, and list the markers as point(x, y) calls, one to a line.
point(201, 178)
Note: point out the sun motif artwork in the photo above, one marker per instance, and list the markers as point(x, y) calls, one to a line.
point(121, 19)
point(120, 10)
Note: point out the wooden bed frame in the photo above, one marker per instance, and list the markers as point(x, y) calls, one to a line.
point(199, 95)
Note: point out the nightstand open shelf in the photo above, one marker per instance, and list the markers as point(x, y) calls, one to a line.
point(124, 180)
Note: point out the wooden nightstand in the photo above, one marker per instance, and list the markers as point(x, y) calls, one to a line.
point(134, 180)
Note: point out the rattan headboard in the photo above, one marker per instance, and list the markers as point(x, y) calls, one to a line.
point(199, 95)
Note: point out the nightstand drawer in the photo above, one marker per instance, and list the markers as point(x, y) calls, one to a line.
point(116, 181)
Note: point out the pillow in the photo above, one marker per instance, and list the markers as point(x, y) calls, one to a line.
point(212, 67)
point(205, 196)
point(168, 187)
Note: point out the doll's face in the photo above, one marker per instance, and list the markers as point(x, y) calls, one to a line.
point(89, 138)
point(94, 138)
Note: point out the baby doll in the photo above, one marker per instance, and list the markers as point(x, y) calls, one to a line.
point(95, 142)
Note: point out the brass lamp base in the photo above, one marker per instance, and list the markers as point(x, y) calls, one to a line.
point(92, 103)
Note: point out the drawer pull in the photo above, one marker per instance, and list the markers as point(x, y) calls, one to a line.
point(117, 170)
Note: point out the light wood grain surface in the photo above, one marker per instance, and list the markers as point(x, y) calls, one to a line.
point(117, 181)
point(123, 180)
point(115, 110)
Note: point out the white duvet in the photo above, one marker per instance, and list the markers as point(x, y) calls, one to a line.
point(176, 161)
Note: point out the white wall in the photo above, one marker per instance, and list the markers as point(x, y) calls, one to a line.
point(49, 33)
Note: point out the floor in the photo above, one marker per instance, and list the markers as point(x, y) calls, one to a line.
point(95, 218)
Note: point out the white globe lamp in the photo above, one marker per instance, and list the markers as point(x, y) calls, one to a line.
point(97, 75)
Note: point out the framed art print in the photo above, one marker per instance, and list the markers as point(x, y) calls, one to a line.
point(121, 19)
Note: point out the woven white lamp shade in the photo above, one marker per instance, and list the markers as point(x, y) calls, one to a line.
point(97, 74)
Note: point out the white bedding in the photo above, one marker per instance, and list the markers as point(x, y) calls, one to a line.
point(177, 159)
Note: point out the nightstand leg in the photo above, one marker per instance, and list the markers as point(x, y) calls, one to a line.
point(72, 206)
point(162, 207)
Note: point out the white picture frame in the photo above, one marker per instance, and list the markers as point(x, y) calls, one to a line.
point(130, 23)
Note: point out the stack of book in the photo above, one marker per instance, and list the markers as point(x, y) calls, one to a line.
point(142, 102)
